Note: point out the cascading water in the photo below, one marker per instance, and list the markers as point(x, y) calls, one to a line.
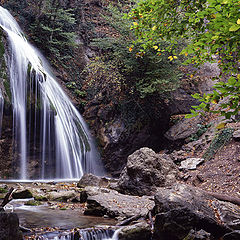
point(46, 125)
point(83, 234)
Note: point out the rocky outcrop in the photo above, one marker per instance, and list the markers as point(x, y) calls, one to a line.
point(183, 129)
point(182, 208)
point(145, 171)
point(9, 227)
point(103, 201)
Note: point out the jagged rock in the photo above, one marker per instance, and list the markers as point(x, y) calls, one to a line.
point(235, 235)
point(102, 201)
point(92, 180)
point(198, 235)
point(61, 195)
point(21, 194)
point(146, 170)
point(183, 129)
point(191, 163)
point(9, 227)
point(182, 208)
point(138, 231)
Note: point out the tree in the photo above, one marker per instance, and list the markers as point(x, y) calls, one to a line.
point(212, 29)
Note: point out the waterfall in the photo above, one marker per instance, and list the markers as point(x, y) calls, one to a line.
point(83, 234)
point(48, 130)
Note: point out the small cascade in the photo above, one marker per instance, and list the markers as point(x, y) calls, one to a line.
point(83, 234)
point(51, 140)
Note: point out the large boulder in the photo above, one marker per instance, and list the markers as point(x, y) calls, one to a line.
point(182, 208)
point(103, 201)
point(145, 171)
point(183, 129)
point(9, 227)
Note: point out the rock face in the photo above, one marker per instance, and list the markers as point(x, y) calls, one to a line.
point(102, 201)
point(9, 227)
point(182, 208)
point(183, 129)
point(145, 171)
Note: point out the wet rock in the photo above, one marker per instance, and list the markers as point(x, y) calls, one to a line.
point(92, 180)
point(138, 231)
point(183, 129)
point(102, 201)
point(61, 195)
point(146, 170)
point(21, 194)
point(9, 227)
point(235, 235)
point(182, 208)
point(191, 163)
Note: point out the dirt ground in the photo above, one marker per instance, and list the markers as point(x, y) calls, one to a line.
point(220, 174)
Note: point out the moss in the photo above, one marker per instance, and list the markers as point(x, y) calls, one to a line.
point(222, 138)
point(7, 89)
point(3, 190)
point(33, 203)
point(40, 198)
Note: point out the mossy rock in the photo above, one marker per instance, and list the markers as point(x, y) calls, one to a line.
point(22, 194)
point(33, 203)
point(40, 198)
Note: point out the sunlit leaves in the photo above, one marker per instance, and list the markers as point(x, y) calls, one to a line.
point(212, 28)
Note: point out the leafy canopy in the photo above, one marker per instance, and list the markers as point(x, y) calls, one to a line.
point(212, 29)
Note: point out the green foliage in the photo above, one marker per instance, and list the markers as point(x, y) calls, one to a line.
point(122, 70)
point(212, 28)
point(222, 138)
point(202, 128)
point(53, 29)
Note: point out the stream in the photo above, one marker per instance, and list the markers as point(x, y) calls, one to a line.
point(48, 223)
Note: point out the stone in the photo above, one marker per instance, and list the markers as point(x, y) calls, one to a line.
point(198, 235)
point(183, 129)
point(9, 227)
point(61, 195)
point(138, 231)
point(92, 180)
point(235, 235)
point(146, 170)
point(236, 135)
point(191, 163)
point(182, 207)
point(21, 194)
point(102, 201)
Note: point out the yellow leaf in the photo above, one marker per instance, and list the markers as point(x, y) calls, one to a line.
point(238, 21)
point(186, 54)
point(214, 101)
point(135, 23)
point(170, 57)
point(221, 125)
point(175, 57)
point(154, 28)
point(155, 47)
point(191, 76)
